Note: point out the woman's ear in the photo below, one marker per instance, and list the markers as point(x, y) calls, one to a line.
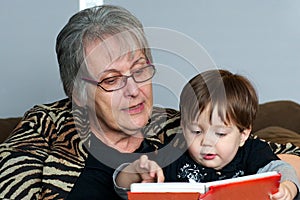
point(244, 136)
point(79, 99)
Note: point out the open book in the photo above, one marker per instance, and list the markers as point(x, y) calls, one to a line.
point(257, 187)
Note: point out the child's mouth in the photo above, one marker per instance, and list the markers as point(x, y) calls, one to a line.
point(209, 156)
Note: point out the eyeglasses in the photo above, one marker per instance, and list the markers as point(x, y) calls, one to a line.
point(114, 83)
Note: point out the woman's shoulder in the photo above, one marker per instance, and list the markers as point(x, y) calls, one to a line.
point(167, 112)
point(63, 105)
point(53, 110)
point(164, 127)
point(163, 120)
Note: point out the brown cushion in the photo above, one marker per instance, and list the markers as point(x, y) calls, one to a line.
point(279, 135)
point(285, 114)
point(6, 127)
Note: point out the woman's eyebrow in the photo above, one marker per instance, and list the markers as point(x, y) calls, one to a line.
point(107, 72)
point(115, 70)
point(138, 60)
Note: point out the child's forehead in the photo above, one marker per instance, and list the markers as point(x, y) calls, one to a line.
point(212, 113)
point(213, 126)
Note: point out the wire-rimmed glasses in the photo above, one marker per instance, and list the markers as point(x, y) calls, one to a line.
point(114, 83)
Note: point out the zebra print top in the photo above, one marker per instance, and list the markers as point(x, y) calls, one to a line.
point(45, 154)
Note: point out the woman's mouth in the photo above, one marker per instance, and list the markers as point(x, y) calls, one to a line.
point(135, 109)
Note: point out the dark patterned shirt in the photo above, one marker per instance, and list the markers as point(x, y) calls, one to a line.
point(254, 155)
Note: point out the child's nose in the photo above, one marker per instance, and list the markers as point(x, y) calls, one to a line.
point(209, 139)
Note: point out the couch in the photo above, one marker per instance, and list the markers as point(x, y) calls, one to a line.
point(6, 126)
point(277, 121)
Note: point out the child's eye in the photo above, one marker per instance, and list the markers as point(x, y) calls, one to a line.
point(197, 132)
point(220, 134)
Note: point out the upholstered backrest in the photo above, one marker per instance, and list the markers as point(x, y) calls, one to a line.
point(285, 114)
point(277, 121)
point(6, 127)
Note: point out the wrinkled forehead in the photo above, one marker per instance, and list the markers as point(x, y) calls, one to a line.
point(101, 53)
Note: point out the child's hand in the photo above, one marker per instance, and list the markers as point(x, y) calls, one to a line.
point(287, 191)
point(142, 170)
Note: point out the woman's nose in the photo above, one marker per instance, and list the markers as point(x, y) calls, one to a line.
point(131, 88)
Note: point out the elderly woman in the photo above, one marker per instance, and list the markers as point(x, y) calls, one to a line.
point(69, 149)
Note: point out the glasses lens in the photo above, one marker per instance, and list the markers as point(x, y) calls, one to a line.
point(112, 83)
point(117, 82)
point(144, 74)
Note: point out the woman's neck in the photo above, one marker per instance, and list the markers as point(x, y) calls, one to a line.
point(125, 143)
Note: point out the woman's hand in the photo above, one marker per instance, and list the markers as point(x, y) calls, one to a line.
point(287, 191)
point(148, 170)
point(142, 170)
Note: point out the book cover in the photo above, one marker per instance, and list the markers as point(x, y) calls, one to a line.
point(258, 187)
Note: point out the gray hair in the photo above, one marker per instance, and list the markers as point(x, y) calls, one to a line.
point(96, 23)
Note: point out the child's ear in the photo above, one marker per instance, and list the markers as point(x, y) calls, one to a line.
point(244, 136)
point(182, 126)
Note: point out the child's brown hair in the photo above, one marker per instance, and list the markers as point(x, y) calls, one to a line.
point(233, 94)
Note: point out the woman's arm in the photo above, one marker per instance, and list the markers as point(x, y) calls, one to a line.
point(141, 170)
point(22, 157)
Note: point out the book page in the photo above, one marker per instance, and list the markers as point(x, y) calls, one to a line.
point(168, 187)
point(242, 178)
point(193, 187)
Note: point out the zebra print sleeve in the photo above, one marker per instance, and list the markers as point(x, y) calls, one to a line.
point(21, 159)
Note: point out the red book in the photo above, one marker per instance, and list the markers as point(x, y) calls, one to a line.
point(252, 187)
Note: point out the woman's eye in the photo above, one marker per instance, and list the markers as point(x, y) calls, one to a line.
point(139, 72)
point(111, 80)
